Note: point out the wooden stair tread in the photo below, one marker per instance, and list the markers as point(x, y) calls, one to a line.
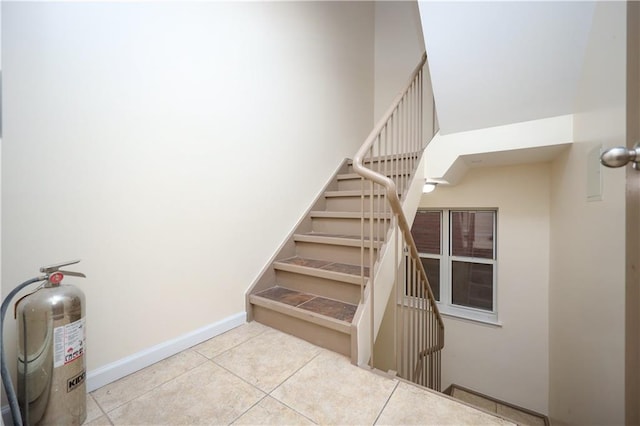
point(320, 310)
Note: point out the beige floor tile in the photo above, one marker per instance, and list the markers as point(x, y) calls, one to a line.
point(93, 410)
point(268, 359)
point(128, 388)
point(207, 394)
point(410, 405)
point(330, 390)
point(230, 339)
point(520, 417)
point(271, 412)
point(102, 420)
point(478, 401)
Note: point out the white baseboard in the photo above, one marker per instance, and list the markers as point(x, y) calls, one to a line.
point(125, 366)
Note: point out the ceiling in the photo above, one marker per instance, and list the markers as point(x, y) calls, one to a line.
point(502, 62)
point(516, 156)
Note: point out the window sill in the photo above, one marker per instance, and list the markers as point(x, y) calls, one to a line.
point(483, 321)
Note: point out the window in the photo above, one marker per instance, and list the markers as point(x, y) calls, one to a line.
point(458, 251)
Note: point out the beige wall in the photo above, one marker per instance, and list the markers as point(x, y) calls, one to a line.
point(508, 362)
point(587, 243)
point(399, 45)
point(172, 147)
point(448, 155)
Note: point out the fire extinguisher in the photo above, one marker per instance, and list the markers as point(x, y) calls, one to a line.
point(51, 352)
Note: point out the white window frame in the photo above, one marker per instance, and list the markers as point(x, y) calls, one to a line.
point(445, 304)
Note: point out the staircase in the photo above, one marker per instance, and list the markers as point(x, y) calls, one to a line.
point(314, 287)
point(352, 251)
point(519, 415)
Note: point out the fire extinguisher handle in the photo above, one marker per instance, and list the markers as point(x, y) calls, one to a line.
point(73, 274)
point(56, 268)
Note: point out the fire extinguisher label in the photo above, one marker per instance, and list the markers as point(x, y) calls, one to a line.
point(68, 343)
point(76, 381)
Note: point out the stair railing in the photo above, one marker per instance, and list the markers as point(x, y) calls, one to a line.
point(386, 162)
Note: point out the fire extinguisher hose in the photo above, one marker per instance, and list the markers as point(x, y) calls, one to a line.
point(6, 377)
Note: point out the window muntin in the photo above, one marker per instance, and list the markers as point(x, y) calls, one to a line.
point(461, 266)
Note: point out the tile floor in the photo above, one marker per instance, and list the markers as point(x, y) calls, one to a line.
point(257, 375)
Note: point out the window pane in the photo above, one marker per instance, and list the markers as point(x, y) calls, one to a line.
point(472, 285)
point(472, 234)
point(426, 231)
point(432, 268)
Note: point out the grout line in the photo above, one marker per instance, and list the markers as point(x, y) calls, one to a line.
point(155, 387)
point(290, 376)
point(307, 301)
point(295, 372)
point(253, 385)
point(109, 420)
point(191, 349)
point(250, 408)
point(239, 377)
point(386, 403)
point(104, 413)
point(293, 409)
point(275, 399)
point(230, 348)
point(268, 394)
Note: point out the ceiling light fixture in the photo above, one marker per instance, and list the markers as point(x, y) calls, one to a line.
point(428, 187)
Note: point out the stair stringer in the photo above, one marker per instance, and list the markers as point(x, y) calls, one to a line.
point(384, 273)
point(288, 247)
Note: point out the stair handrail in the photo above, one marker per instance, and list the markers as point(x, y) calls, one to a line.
point(394, 201)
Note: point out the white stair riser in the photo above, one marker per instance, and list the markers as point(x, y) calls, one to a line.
point(349, 226)
point(354, 204)
point(334, 253)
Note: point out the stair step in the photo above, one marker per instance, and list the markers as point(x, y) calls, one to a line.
point(405, 164)
point(408, 155)
point(349, 222)
point(333, 248)
point(518, 415)
point(319, 320)
point(320, 310)
point(352, 181)
point(389, 172)
point(335, 239)
point(351, 193)
point(347, 215)
point(355, 176)
point(351, 200)
point(323, 269)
